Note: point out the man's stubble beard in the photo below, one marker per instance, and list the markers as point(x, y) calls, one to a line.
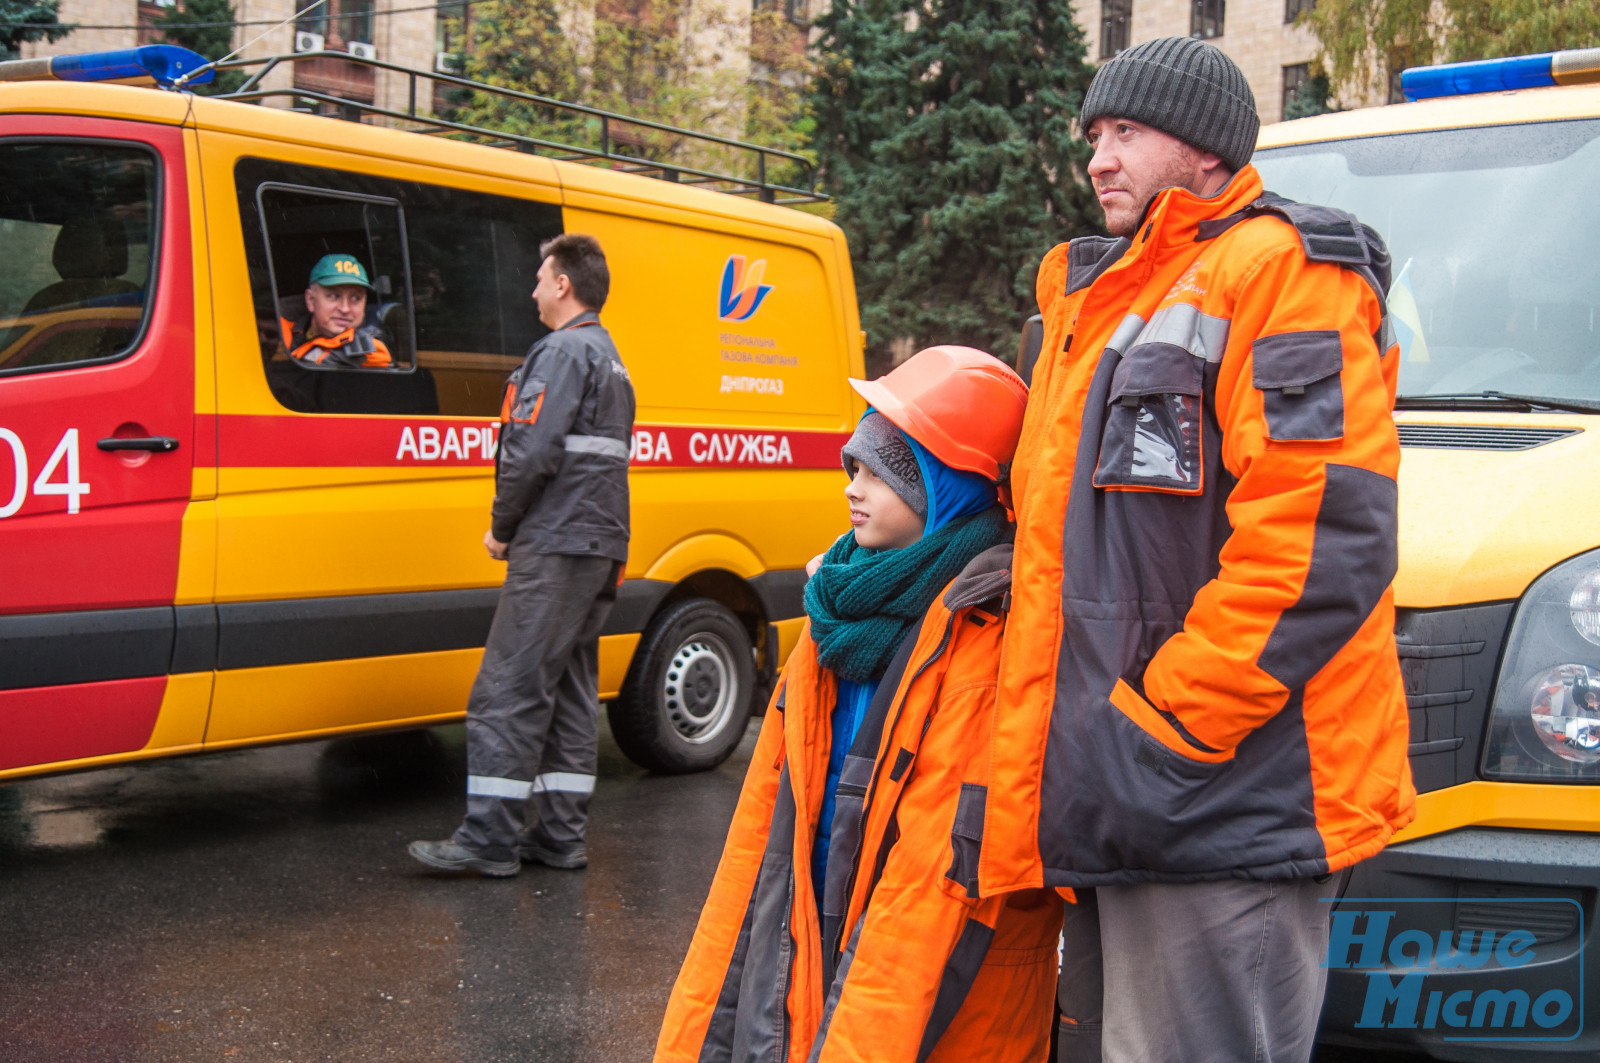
point(1177, 171)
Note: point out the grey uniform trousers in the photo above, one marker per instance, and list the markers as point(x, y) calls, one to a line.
point(533, 717)
point(1195, 972)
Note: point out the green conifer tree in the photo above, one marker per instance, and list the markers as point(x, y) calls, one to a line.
point(945, 133)
point(28, 20)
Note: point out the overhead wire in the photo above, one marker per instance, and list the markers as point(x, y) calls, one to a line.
point(197, 71)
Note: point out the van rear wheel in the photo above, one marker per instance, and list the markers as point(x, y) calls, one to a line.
point(688, 695)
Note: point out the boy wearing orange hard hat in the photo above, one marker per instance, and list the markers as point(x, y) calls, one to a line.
point(843, 922)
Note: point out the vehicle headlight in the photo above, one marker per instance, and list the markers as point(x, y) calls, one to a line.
point(1545, 721)
point(1585, 606)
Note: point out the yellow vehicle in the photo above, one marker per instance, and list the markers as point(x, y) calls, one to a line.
point(205, 544)
point(1471, 936)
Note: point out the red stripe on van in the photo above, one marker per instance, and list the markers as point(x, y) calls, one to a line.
point(43, 725)
point(316, 441)
point(691, 447)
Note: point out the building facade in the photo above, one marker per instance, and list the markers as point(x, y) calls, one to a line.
point(410, 33)
point(1260, 35)
point(397, 31)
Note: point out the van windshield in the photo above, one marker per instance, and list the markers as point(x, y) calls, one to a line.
point(1495, 235)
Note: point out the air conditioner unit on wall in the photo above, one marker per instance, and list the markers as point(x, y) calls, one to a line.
point(447, 62)
point(362, 50)
point(307, 42)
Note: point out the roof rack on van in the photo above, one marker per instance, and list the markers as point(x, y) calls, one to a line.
point(615, 130)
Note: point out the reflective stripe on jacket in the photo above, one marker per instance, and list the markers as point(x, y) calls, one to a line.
point(561, 475)
point(904, 963)
point(1200, 673)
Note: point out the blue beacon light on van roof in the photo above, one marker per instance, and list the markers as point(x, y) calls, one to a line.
point(1497, 75)
point(165, 64)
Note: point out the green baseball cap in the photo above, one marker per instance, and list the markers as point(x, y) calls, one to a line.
point(334, 270)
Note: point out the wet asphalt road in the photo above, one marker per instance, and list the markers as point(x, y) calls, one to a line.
point(258, 907)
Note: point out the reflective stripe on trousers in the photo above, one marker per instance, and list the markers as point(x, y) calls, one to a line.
point(611, 448)
point(551, 782)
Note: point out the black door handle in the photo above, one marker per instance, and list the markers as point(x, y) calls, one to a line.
point(157, 444)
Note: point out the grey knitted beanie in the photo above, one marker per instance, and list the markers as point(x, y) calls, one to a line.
point(878, 445)
point(1184, 87)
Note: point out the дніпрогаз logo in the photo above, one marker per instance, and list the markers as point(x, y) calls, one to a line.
point(742, 290)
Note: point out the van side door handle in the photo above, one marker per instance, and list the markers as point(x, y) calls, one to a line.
point(155, 444)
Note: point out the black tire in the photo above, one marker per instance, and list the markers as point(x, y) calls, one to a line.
point(689, 691)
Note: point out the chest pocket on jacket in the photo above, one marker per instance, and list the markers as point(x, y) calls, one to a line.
point(1151, 438)
point(522, 405)
point(1298, 375)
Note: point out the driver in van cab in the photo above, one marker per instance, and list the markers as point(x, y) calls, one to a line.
point(331, 333)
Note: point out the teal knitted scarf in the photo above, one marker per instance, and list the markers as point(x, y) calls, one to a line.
point(861, 602)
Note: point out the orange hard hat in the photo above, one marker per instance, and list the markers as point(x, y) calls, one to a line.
point(965, 406)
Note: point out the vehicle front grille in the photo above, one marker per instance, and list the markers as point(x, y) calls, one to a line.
point(1479, 437)
point(1447, 657)
point(1501, 907)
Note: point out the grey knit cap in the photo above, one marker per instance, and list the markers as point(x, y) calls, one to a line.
point(1184, 87)
point(878, 445)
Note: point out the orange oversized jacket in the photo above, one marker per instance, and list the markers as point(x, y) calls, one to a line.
point(1199, 674)
point(904, 962)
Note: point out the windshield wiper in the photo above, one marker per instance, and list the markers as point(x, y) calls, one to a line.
point(1477, 399)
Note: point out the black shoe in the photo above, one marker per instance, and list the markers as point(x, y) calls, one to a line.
point(448, 856)
point(568, 860)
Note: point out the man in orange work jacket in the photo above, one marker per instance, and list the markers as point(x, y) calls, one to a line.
point(1203, 715)
point(331, 331)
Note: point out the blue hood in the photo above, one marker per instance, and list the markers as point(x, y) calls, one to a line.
point(952, 493)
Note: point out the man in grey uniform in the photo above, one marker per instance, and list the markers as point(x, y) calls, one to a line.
point(560, 519)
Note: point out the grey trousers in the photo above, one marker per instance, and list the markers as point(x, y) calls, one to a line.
point(1205, 972)
point(533, 716)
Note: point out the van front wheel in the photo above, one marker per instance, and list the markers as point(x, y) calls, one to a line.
point(687, 698)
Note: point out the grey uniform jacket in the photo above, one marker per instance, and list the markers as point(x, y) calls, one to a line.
point(561, 476)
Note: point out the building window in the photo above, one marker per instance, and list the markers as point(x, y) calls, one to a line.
point(315, 21)
point(1205, 19)
point(1396, 92)
point(150, 12)
point(1294, 78)
point(357, 20)
point(340, 22)
point(1115, 18)
point(1293, 9)
point(452, 27)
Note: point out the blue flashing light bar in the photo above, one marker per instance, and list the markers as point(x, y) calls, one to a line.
point(164, 64)
point(1499, 75)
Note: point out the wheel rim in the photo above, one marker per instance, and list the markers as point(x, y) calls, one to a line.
point(700, 689)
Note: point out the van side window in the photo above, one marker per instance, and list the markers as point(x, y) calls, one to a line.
point(468, 262)
point(341, 290)
point(77, 222)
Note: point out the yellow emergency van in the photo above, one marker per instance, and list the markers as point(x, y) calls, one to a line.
point(206, 544)
point(1471, 937)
